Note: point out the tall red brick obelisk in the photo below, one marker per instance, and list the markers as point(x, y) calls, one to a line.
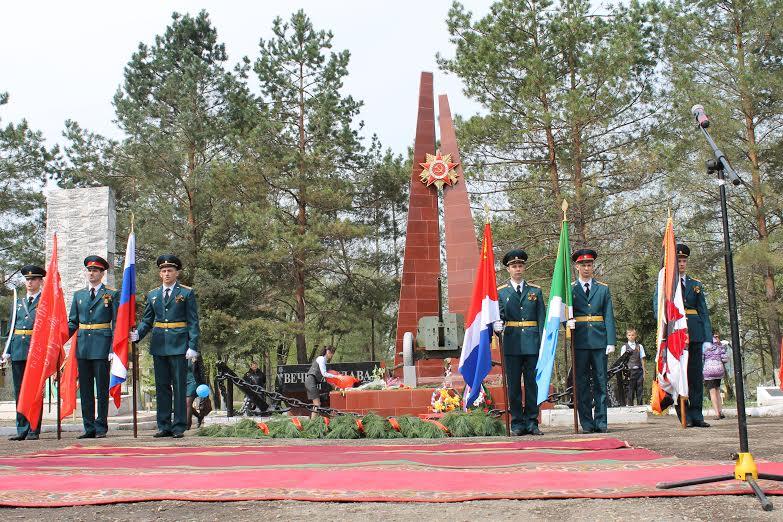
point(421, 264)
point(421, 261)
point(462, 250)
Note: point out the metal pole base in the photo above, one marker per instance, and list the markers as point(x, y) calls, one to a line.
point(766, 505)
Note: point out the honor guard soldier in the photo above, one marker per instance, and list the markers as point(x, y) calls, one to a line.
point(522, 313)
point(93, 312)
point(594, 339)
point(171, 314)
point(19, 343)
point(699, 335)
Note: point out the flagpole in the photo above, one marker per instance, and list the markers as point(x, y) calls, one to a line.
point(570, 343)
point(135, 357)
point(59, 381)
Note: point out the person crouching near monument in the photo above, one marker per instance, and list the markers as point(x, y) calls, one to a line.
point(19, 343)
point(171, 314)
point(594, 339)
point(93, 312)
point(523, 314)
point(316, 375)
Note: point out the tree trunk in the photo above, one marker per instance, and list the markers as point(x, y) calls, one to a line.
point(301, 219)
point(757, 196)
point(193, 232)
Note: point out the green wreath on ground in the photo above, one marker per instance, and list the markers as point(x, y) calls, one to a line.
point(456, 424)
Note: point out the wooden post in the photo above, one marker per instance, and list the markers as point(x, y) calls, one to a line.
point(570, 342)
point(683, 413)
point(505, 385)
point(135, 360)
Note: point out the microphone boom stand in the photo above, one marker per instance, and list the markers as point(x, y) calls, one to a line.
point(745, 468)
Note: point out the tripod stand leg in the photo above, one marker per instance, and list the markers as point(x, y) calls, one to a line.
point(693, 482)
point(766, 505)
point(770, 476)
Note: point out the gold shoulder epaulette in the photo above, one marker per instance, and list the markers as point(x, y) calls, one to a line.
point(601, 283)
point(502, 286)
point(110, 288)
point(185, 287)
point(534, 286)
point(697, 280)
point(573, 283)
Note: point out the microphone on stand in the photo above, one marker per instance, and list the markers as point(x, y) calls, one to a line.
point(701, 117)
point(720, 162)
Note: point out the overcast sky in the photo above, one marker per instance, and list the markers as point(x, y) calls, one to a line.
point(64, 60)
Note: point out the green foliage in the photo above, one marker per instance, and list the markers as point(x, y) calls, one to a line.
point(377, 427)
point(246, 428)
point(314, 428)
point(473, 424)
point(343, 427)
point(281, 427)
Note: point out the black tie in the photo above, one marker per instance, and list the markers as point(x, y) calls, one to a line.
point(519, 290)
point(168, 293)
point(682, 283)
point(29, 301)
point(92, 293)
point(587, 289)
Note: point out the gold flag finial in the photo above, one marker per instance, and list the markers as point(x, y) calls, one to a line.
point(133, 219)
point(564, 206)
point(486, 213)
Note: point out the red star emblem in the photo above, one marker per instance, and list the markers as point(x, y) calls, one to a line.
point(438, 170)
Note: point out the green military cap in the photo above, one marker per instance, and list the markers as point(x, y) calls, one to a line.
point(96, 262)
point(683, 251)
point(169, 260)
point(32, 271)
point(584, 254)
point(515, 256)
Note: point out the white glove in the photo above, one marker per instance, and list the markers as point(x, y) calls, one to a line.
point(133, 335)
point(6, 357)
point(705, 345)
point(497, 326)
point(191, 354)
point(609, 349)
point(571, 324)
point(111, 356)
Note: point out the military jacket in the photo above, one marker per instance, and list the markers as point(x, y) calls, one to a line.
point(93, 343)
point(599, 332)
point(25, 320)
point(530, 308)
point(180, 313)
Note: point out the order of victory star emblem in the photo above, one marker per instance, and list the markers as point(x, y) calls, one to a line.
point(438, 170)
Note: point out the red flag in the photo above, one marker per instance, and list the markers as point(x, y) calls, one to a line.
point(672, 336)
point(50, 333)
point(69, 381)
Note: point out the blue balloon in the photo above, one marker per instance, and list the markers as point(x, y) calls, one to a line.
point(202, 391)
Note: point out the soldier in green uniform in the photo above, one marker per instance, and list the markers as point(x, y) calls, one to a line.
point(19, 343)
point(699, 335)
point(93, 311)
point(171, 314)
point(594, 339)
point(522, 313)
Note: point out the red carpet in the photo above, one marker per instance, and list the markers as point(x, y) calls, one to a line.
point(440, 472)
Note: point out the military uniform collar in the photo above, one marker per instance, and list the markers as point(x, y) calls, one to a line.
point(513, 285)
point(172, 287)
point(34, 296)
point(97, 288)
point(590, 281)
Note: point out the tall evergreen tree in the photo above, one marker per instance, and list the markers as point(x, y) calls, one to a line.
point(308, 150)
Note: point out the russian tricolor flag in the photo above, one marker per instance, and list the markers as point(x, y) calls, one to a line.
point(475, 362)
point(126, 319)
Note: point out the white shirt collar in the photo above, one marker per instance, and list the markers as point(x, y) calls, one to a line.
point(169, 287)
point(583, 281)
point(98, 287)
point(516, 285)
point(34, 295)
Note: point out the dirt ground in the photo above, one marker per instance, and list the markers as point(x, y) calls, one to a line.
point(661, 434)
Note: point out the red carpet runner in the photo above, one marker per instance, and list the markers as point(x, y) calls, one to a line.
point(439, 472)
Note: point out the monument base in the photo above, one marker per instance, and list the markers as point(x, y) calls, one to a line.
point(394, 403)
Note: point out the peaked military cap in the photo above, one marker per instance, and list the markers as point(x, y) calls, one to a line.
point(96, 262)
point(169, 260)
point(515, 256)
point(683, 251)
point(584, 254)
point(32, 271)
